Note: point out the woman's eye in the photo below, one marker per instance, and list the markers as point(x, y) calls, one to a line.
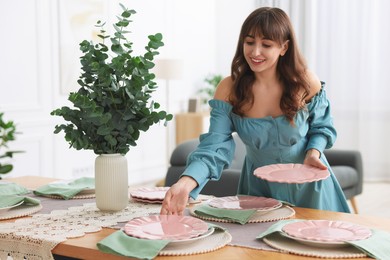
point(266, 45)
point(249, 43)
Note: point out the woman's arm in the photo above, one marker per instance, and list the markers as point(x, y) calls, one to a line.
point(313, 152)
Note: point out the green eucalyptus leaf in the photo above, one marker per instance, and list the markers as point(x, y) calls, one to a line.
point(6, 168)
point(104, 130)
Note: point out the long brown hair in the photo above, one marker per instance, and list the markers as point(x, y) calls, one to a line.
point(273, 24)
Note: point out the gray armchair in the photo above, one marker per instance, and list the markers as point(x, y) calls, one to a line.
point(346, 165)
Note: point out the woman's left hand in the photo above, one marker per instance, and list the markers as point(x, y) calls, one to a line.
point(312, 158)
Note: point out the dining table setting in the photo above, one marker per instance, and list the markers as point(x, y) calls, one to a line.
point(43, 217)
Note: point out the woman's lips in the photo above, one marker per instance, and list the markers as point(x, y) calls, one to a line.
point(257, 61)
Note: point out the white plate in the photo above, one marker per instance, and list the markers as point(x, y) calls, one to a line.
point(313, 243)
point(5, 209)
point(193, 239)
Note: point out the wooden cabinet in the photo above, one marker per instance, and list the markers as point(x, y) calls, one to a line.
point(191, 125)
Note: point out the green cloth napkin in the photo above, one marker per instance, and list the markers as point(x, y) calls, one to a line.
point(9, 188)
point(277, 227)
point(212, 225)
point(118, 243)
point(376, 246)
point(10, 200)
point(66, 190)
point(287, 203)
point(239, 216)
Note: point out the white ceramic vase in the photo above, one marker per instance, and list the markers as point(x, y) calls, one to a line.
point(111, 182)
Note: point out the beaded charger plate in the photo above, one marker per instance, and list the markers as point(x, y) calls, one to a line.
point(78, 196)
point(291, 246)
point(20, 211)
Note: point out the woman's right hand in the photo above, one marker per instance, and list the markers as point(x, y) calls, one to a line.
point(176, 198)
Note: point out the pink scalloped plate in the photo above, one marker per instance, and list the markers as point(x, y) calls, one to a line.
point(326, 231)
point(147, 200)
point(290, 173)
point(243, 202)
point(150, 193)
point(166, 227)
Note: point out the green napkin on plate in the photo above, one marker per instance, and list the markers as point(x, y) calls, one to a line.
point(287, 203)
point(66, 190)
point(376, 246)
point(9, 188)
point(277, 227)
point(11, 200)
point(215, 226)
point(239, 216)
point(118, 243)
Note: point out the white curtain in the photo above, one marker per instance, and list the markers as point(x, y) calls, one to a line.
point(347, 43)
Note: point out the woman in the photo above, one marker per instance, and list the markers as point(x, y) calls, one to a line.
point(280, 111)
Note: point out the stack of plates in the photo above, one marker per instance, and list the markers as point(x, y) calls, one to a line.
point(176, 229)
point(245, 202)
point(325, 233)
point(149, 194)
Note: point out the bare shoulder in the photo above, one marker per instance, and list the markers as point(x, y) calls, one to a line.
point(314, 82)
point(224, 89)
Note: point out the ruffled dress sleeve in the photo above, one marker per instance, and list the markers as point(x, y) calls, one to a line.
point(321, 133)
point(216, 149)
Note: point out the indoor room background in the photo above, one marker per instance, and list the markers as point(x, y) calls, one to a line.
point(345, 42)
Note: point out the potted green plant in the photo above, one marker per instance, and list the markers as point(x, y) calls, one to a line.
point(208, 91)
point(113, 104)
point(7, 134)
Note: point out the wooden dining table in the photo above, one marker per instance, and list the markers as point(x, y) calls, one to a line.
point(85, 247)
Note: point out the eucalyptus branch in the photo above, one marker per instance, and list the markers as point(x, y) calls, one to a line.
point(116, 102)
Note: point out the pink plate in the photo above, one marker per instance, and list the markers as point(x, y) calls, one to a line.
point(245, 202)
point(166, 227)
point(150, 193)
point(148, 201)
point(290, 173)
point(326, 230)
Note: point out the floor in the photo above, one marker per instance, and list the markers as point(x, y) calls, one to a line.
point(375, 199)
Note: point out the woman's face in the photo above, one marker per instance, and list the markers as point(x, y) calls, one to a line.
point(262, 54)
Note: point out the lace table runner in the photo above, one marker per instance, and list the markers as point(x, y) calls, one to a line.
point(34, 238)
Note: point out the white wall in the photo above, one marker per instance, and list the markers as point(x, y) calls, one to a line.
point(39, 66)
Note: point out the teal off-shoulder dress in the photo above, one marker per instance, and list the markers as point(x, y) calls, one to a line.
point(269, 140)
